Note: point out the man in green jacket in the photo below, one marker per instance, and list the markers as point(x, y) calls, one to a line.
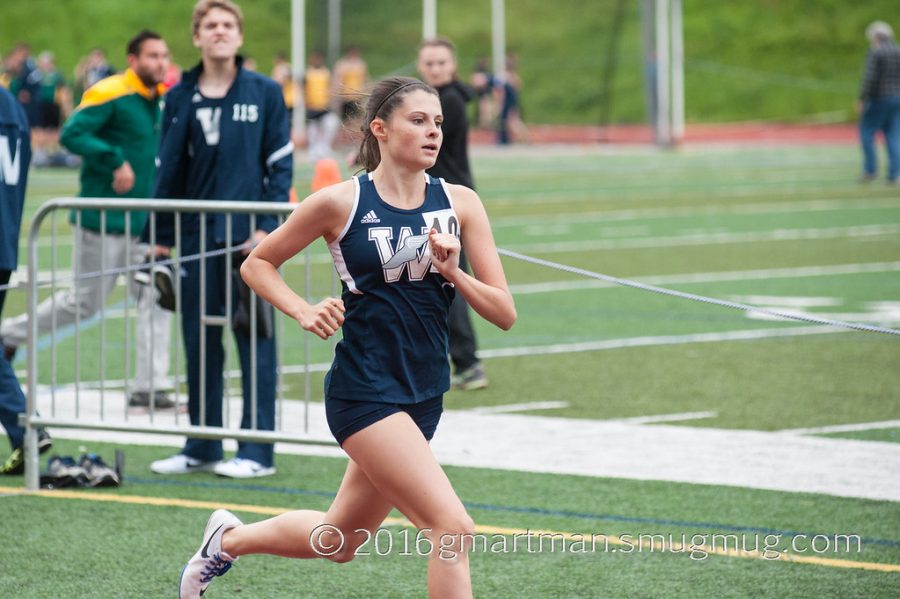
point(115, 130)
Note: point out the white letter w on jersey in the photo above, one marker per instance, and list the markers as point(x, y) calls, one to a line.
point(9, 167)
point(412, 252)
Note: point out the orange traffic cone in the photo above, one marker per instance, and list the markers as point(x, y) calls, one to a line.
point(326, 173)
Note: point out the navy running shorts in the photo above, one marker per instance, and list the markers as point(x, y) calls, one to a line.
point(346, 417)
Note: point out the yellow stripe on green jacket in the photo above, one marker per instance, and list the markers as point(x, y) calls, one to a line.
point(117, 120)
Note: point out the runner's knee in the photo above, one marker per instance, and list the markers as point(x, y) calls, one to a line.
point(352, 541)
point(453, 534)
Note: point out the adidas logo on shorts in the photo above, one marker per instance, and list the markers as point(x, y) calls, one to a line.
point(370, 218)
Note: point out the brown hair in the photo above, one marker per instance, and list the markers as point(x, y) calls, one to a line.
point(202, 8)
point(440, 42)
point(384, 98)
point(136, 43)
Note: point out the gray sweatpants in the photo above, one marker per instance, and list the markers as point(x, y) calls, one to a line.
point(87, 295)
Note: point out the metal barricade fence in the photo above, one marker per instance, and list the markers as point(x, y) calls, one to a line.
point(43, 411)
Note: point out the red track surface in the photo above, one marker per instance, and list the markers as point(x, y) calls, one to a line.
point(641, 134)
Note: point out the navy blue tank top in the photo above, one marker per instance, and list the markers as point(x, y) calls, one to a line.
point(394, 345)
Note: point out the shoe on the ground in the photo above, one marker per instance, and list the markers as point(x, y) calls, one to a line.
point(44, 440)
point(164, 281)
point(867, 177)
point(181, 464)
point(471, 378)
point(209, 561)
point(15, 463)
point(241, 468)
point(98, 473)
point(63, 472)
point(141, 399)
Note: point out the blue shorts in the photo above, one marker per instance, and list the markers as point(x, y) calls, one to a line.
point(346, 417)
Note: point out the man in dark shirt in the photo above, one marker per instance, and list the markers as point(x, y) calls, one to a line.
point(879, 101)
point(437, 65)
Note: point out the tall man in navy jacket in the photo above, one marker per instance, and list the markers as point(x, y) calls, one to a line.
point(225, 136)
point(15, 156)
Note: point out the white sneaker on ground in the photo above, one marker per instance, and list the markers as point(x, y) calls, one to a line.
point(181, 464)
point(209, 561)
point(241, 468)
point(470, 379)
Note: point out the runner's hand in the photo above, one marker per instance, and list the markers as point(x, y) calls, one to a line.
point(323, 319)
point(445, 250)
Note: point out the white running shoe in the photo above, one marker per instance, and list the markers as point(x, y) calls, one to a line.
point(241, 468)
point(209, 561)
point(181, 464)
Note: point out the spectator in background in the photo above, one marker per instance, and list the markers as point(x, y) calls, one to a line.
point(4, 76)
point(482, 81)
point(879, 102)
point(437, 65)
point(115, 131)
point(90, 69)
point(173, 75)
point(351, 76)
point(15, 156)
point(225, 137)
point(54, 103)
point(24, 81)
point(510, 125)
point(281, 74)
point(321, 123)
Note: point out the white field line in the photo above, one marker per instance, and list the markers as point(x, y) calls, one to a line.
point(706, 239)
point(665, 418)
point(881, 312)
point(587, 193)
point(64, 276)
point(519, 407)
point(662, 280)
point(713, 277)
point(694, 211)
point(747, 459)
point(644, 213)
point(842, 428)
point(564, 348)
point(44, 277)
point(789, 302)
point(233, 374)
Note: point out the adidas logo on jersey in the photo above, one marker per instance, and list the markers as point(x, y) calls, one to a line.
point(370, 218)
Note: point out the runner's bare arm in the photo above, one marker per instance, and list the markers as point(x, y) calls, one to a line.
point(487, 292)
point(322, 214)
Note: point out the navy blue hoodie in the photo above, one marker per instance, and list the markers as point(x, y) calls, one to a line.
point(15, 156)
point(255, 157)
